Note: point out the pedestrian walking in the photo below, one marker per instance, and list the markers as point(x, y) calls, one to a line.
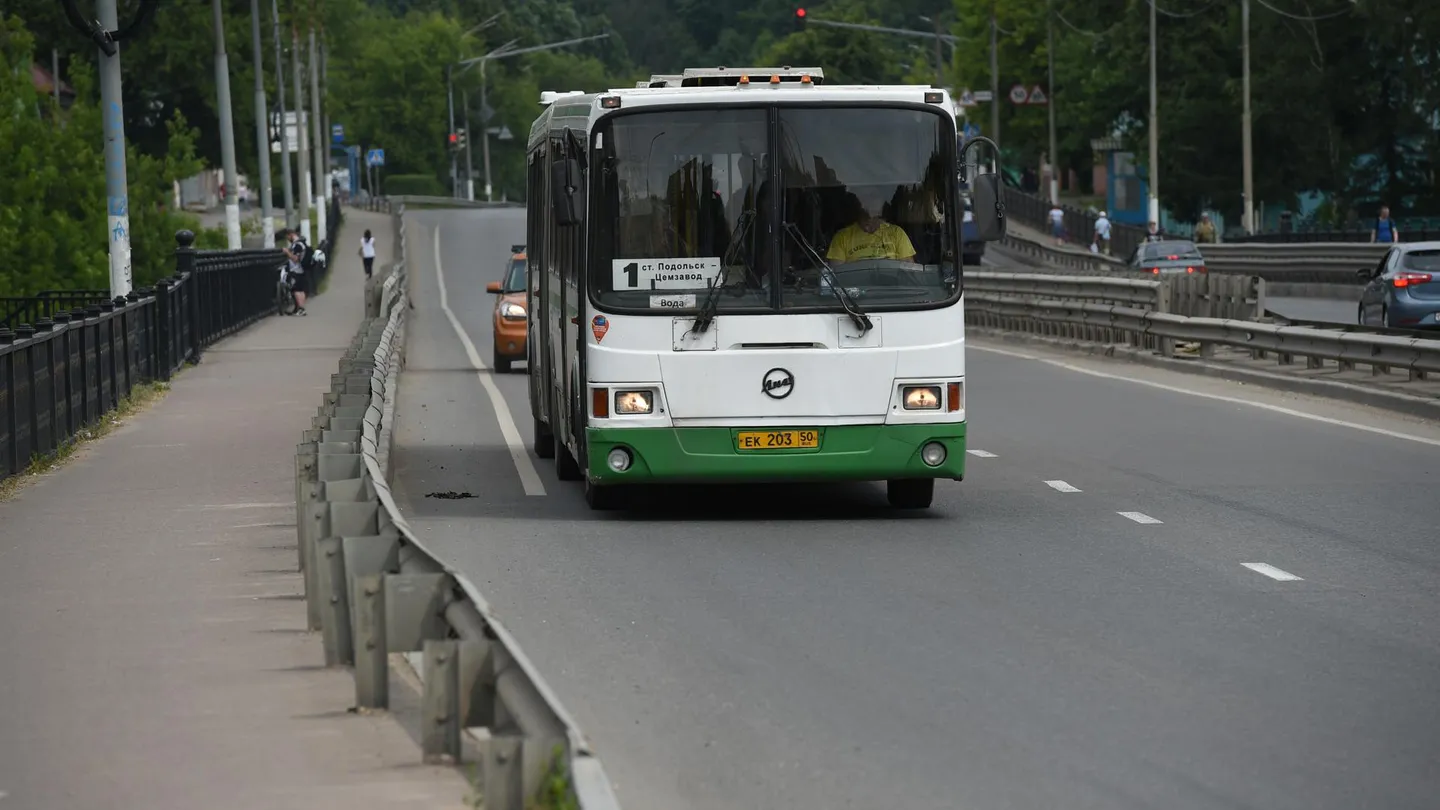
point(1102, 234)
point(1057, 225)
point(367, 252)
point(1385, 230)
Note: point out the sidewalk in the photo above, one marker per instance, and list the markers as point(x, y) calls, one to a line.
point(153, 651)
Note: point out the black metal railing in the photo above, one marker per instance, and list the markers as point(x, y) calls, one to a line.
point(62, 373)
point(1034, 212)
point(46, 304)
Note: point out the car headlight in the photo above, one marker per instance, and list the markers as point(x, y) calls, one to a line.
point(633, 402)
point(921, 397)
point(512, 311)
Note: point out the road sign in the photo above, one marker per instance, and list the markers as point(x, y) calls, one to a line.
point(967, 98)
point(1019, 95)
point(1037, 95)
point(982, 96)
point(971, 130)
point(375, 157)
point(337, 133)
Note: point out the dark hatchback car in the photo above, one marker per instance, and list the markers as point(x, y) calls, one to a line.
point(1403, 290)
point(1167, 257)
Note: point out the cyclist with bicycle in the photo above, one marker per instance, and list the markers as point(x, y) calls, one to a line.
point(296, 252)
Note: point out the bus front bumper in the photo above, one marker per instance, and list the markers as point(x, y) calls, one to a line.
point(713, 455)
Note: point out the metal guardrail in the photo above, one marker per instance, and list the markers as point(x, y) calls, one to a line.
point(372, 589)
point(1222, 296)
point(1048, 311)
point(390, 204)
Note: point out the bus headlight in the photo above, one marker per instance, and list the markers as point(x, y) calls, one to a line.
point(921, 397)
point(633, 402)
point(514, 312)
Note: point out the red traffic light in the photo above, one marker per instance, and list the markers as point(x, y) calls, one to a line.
point(800, 19)
point(799, 12)
point(454, 138)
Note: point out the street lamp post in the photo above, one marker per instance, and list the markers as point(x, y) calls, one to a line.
point(501, 52)
point(1248, 170)
point(1050, 102)
point(1154, 130)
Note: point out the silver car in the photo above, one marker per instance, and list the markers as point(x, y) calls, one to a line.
point(1403, 290)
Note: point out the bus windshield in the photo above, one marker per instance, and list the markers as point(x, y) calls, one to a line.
point(684, 199)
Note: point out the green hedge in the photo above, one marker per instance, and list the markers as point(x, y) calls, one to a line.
point(419, 185)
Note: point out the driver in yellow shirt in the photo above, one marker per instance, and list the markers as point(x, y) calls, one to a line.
point(869, 237)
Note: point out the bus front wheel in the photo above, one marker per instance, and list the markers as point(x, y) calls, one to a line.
point(566, 468)
point(602, 498)
point(910, 493)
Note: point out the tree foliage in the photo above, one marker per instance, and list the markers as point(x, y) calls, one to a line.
point(52, 184)
point(1344, 95)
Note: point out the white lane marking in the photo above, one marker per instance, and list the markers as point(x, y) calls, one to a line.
point(1394, 434)
point(1061, 486)
point(230, 506)
point(1139, 517)
point(1272, 572)
point(529, 478)
point(982, 454)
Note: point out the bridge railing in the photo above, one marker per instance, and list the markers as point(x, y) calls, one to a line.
point(373, 589)
point(61, 374)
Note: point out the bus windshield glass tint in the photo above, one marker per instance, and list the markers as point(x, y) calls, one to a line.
point(673, 210)
point(872, 192)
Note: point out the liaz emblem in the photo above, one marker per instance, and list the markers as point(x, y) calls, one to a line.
point(599, 325)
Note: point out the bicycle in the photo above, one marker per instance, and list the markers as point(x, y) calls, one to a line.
point(285, 293)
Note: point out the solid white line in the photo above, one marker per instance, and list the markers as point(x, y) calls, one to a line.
point(529, 478)
point(1061, 486)
point(1139, 517)
point(1272, 572)
point(982, 454)
point(1394, 434)
point(229, 506)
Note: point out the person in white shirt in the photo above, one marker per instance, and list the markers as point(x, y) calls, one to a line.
point(1057, 224)
point(367, 252)
point(1102, 233)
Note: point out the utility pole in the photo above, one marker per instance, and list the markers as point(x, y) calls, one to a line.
point(227, 131)
point(994, 77)
point(284, 132)
point(262, 135)
point(116, 187)
point(325, 125)
point(321, 157)
point(469, 170)
point(303, 138)
point(55, 74)
point(1154, 129)
point(1050, 57)
point(1248, 154)
point(939, 55)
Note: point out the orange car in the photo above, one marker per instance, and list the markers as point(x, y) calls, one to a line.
point(509, 312)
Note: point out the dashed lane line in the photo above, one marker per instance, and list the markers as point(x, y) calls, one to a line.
point(529, 478)
point(1272, 572)
point(1061, 486)
point(982, 454)
point(1139, 517)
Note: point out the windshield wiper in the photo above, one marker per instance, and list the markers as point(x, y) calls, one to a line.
point(862, 321)
point(706, 316)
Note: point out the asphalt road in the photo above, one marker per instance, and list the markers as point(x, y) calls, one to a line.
point(1074, 625)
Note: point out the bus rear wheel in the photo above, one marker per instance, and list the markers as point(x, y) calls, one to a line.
point(542, 440)
point(910, 493)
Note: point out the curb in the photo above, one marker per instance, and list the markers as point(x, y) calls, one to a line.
point(1424, 408)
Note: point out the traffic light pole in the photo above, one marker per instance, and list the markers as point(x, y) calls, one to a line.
point(469, 171)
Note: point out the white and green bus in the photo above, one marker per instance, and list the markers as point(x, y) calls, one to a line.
point(750, 276)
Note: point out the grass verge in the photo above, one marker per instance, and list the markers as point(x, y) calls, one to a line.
point(141, 397)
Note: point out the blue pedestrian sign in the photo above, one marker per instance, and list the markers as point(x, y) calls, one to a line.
point(375, 157)
point(337, 133)
point(971, 130)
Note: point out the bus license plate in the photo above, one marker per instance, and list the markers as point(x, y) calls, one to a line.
point(777, 439)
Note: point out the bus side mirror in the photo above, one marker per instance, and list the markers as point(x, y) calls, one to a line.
point(988, 207)
point(567, 193)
